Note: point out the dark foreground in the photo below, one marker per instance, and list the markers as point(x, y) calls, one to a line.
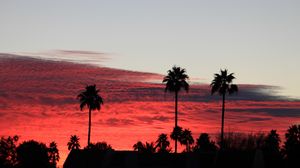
point(131, 159)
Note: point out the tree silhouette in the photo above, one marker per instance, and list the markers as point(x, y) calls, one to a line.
point(73, 142)
point(204, 144)
point(162, 143)
point(272, 142)
point(186, 139)
point(99, 146)
point(271, 150)
point(176, 135)
point(90, 97)
point(222, 83)
point(8, 155)
point(53, 154)
point(176, 80)
point(139, 146)
point(148, 148)
point(291, 146)
point(32, 154)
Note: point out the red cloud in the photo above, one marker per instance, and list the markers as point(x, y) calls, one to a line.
point(38, 101)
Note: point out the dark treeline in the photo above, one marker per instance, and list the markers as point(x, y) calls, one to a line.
point(33, 154)
point(28, 154)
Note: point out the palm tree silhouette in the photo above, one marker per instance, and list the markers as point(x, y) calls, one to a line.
point(176, 135)
point(175, 80)
point(148, 147)
point(222, 83)
point(186, 139)
point(53, 154)
point(163, 143)
point(73, 143)
point(90, 97)
point(139, 146)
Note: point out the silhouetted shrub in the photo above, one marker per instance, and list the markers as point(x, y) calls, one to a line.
point(8, 155)
point(32, 154)
point(271, 150)
point(242, 142)
point(148, 147)
point(204, 144)
point(99, 146)
point(291, 146)
point(53, 154)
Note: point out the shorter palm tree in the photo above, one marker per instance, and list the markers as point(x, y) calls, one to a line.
point(162, 143)
point(176, 135)
point(139, 146)
point(53, 154)
point(186, 139)
point(144, 148)
point(73, 142)
point(150, 147)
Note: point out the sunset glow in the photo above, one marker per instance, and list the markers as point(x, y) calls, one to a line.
point(39, 102)
point(51, 50)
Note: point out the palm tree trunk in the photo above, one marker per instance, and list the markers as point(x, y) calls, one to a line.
point(90, 123)
point(222, 126)
point(176, 113)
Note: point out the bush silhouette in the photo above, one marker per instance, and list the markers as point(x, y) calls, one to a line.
point(32, 154)
point(8, 155)
point(291, 146)
point(204, 144)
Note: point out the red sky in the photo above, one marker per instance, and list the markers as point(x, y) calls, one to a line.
point(38, 101)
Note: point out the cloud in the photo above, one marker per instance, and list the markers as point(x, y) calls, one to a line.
point(115, 122)
point(38, 101)
point(278, 112)
point(152, 119)
point(74, 56)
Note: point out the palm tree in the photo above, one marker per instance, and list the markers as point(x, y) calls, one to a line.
point(139, 146)
point(73, 143)
point(144, 148)
point(176, 135)
point(222, 83)
point(90, 97)
point(175, 80)
point(150, 147)
point(53, 154)
point(163, 143)
point(186, 139)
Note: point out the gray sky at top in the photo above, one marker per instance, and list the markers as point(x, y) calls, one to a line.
point(258, 40)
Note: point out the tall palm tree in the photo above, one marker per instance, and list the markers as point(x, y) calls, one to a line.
point(163, 143)
point(187, 139)
point(176, 80)
point(73, 142)
point(222, 83)
point(92, 100)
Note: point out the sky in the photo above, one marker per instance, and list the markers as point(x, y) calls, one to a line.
point(258, 40)
point(49, 50)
